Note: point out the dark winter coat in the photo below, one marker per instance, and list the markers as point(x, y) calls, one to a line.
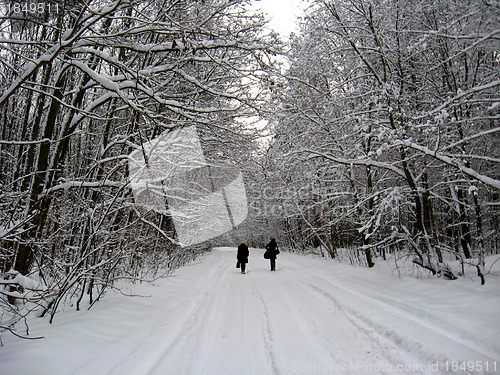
point(272, 249)
point(243, 253)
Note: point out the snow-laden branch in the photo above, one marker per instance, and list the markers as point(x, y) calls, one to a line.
point(25, 143)
point(465, 50)
point(108, 83)
point(69, 37)
point(365, 161)
point(156, 227)
point(204, 87)
point(118, 86)
point(201, 45)
point(84, 184)
point(459, 96)
point(454, 163)
point(477, 135)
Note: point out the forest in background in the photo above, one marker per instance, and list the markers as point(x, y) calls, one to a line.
point(381, 135)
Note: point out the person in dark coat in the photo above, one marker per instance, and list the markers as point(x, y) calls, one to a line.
point(242, 256)
point(273, 251)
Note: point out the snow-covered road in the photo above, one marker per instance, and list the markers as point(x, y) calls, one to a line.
point(311, 316)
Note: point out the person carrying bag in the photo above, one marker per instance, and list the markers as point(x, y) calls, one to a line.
point(271, 253)
point(242, 257)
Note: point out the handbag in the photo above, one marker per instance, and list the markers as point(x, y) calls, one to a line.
point(237, 264)
point(266, 254)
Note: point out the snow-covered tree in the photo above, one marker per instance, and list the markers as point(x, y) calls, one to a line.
point(396, 104)
point(83, 87)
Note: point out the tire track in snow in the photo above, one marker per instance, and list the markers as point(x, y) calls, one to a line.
point(394, 307)
point(192, 328)
point(298, 345)
point(412, 346)
point(215, 336)
point(338, 334)
point(268, 336)
point(150, 357)
point(370, 328)
point(306, 317)
point(421, 316)
point(207, 334)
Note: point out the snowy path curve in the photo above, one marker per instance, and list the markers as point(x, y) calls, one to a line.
point(309, 317)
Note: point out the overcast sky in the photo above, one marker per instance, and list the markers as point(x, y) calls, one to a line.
point(283, 13)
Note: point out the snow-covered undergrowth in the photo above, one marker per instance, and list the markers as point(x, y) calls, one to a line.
point(407, 263)
point(311, 316)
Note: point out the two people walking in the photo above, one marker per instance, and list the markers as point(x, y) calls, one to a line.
point(271, 253)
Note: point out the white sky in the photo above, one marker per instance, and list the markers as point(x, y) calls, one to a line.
point(283, 13)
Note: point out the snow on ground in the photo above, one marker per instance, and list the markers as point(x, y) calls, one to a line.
point(311, 316)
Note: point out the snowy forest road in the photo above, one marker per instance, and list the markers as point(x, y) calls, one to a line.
point(311, 316)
